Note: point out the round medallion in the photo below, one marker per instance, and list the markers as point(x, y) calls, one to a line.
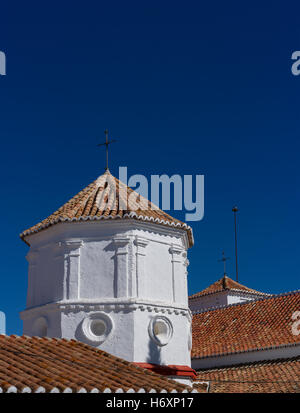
point(160, 330)
point(97, 327)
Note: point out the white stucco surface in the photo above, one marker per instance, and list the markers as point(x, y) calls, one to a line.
point(221, 299)
point(125, 273)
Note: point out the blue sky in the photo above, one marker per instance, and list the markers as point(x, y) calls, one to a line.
point(186, 88)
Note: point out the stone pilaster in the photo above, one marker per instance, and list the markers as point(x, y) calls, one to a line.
point(121, 267)
point(186, 263)
point(71, 252)
point(177, 273)
point(141, 276)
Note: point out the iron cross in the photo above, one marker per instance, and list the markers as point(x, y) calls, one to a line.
point(224, 259)
point(106, 143)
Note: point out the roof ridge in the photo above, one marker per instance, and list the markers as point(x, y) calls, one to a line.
point(248, 350)
point(225, 283)
point(248, 291)
point(246, 302)
point(280, 360)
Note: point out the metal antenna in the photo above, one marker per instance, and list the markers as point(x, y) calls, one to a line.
point(235, 210)
point(106, 143)
point(224, 259)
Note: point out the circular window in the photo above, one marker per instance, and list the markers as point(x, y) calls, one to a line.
point(161, 330)
point(97, 327)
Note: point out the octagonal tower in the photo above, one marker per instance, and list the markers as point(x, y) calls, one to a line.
point(110, 269)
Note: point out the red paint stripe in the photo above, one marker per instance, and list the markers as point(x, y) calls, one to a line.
point(169, 370)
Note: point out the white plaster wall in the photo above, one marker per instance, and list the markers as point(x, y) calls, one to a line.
point(220, 299)
point(97, 269)
point(121, 333)
point(158, 271)
point(129, 337)
point(51, 278)
point(45, 278)
point(208, 301)
point(239, 298)
point(52, 317)
point(77, 265)
point(175, 352)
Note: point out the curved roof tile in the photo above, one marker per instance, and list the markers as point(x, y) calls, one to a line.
point(255, 325)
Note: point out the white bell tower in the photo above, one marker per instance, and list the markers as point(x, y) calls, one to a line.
point(113, 278)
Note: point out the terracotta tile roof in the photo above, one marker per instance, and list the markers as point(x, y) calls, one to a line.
point(224, 284)
point(42, 363)
point(258, 324)
point(275, 376)
point(109, 198)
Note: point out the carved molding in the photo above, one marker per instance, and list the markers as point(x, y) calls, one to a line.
point(121, 244)
point(71, 248)
point(122, 282)
point(106, 307)
point(175, 250)
point(141, 242)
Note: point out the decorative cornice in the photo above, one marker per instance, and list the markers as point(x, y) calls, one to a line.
point(131, 215)
point(141, 242)
point(176, 250)
point(126, 306)
point(71, 244)
point(121, 241)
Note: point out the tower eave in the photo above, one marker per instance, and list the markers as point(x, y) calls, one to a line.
point(131, 216)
